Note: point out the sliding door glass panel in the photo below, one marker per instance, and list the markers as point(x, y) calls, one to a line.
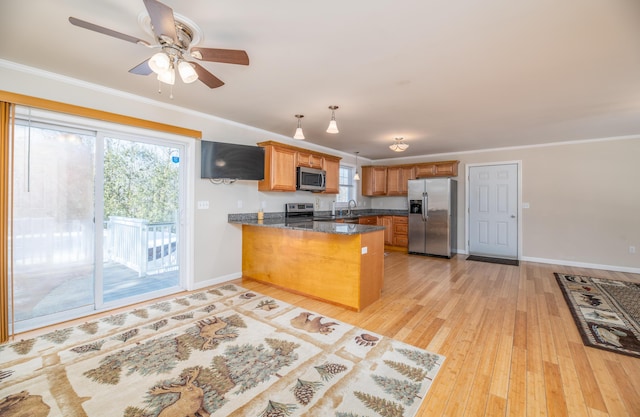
point(141, 205)
point(53, 228)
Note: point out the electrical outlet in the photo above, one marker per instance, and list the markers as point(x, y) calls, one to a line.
point(239, 203)
point(632, 249)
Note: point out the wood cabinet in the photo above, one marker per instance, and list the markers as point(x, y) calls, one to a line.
point(280, 167)
point(437, 169)
point(308, 159)
point(395, 231)
point(374, 180)
point(332, 168)
point(400, 231)
point(387, 222)
point(368, 220)
point(397, 178)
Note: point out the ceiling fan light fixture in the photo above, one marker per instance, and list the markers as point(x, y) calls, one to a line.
point(299, 135)
point(187, 72)
point(159, 63)
point(168, 76)
point(333, 127)
point(398, 145)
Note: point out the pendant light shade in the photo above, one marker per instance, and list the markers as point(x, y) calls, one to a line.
point(299, 135)
point(356, 176)
point(398, 145)
point(333, 127)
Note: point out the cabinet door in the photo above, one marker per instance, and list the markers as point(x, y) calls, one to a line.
point(400, 231)
point(406, 174)
point(368, 220)
point(394, 181)
point(387, 222)
point(374, 180)
point(424, 170)
point(446, 169)
point(279, 170)
point(332, 167)
point(307, 159)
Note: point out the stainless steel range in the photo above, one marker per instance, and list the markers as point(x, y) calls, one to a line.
point(298, 212)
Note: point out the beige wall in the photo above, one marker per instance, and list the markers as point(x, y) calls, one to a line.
point(584, 200)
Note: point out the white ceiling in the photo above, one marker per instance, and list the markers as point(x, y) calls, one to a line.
point(448, 76)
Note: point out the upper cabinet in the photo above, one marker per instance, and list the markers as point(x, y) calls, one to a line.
point(332, 167)
point(374, 180)
point(280, 167)
point(393, 180)
point(310, 160)
point(397, 178)
point(437, 169)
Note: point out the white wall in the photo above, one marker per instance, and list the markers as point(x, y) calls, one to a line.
point(585, 198)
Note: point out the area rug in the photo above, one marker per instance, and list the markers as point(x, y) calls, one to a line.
point(224, 351)
point(501, 261)
point(607, 312)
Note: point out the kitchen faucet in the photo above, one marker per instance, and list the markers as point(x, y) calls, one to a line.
point(354, 206)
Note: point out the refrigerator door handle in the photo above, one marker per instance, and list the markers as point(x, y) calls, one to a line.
point(425, 206)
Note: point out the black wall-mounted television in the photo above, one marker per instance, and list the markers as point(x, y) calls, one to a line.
point(230, 160)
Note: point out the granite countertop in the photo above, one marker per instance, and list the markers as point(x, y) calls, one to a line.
point(311, 226)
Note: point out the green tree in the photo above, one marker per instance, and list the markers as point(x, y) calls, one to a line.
point(140, 181)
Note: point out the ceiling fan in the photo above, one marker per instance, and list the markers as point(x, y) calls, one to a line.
point(174, 38)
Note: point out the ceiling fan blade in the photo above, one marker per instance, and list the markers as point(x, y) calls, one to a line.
point(142, 68)
point(226, 56)
point(206, 77)
point(162, 22)
point(86, 25)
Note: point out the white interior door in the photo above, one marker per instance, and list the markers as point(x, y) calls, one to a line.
point(493, 210)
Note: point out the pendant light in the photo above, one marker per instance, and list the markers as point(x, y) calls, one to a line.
point(356, 176)
point(333, 127)
point(299, 135)
point(398, 145)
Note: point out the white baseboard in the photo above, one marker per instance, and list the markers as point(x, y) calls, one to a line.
point(582, 264)
point(215, 281)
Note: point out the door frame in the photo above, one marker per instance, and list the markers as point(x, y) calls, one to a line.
point(518, 163)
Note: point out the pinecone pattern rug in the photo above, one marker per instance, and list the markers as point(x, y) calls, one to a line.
point(218, 352)
point(606, 311)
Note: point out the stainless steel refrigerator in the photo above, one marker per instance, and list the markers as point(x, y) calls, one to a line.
point(432, 216)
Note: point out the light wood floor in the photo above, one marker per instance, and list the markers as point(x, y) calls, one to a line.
point(511, 345)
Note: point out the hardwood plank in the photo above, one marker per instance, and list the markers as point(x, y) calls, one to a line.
point(511, 346)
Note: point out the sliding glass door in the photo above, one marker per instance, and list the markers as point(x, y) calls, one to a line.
point(96, 220)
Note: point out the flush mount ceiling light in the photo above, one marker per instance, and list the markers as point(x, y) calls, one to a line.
point(333, 127)
point(398, 145)
point(356, 177)
point(299, 135)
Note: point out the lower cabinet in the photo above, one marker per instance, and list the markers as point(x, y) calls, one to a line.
point(395, 231)
point(400, 231)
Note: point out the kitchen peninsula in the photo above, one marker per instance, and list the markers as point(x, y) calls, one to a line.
point(335, 262)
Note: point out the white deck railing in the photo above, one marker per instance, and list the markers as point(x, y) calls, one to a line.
point(147, 248)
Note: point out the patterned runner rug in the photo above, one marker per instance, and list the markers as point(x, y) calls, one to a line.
point(607, 312)
point(219, 352)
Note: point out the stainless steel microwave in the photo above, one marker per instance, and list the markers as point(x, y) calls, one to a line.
point(310, 179)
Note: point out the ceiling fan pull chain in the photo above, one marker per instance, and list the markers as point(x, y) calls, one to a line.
point(171, 91)
point(159, 87)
